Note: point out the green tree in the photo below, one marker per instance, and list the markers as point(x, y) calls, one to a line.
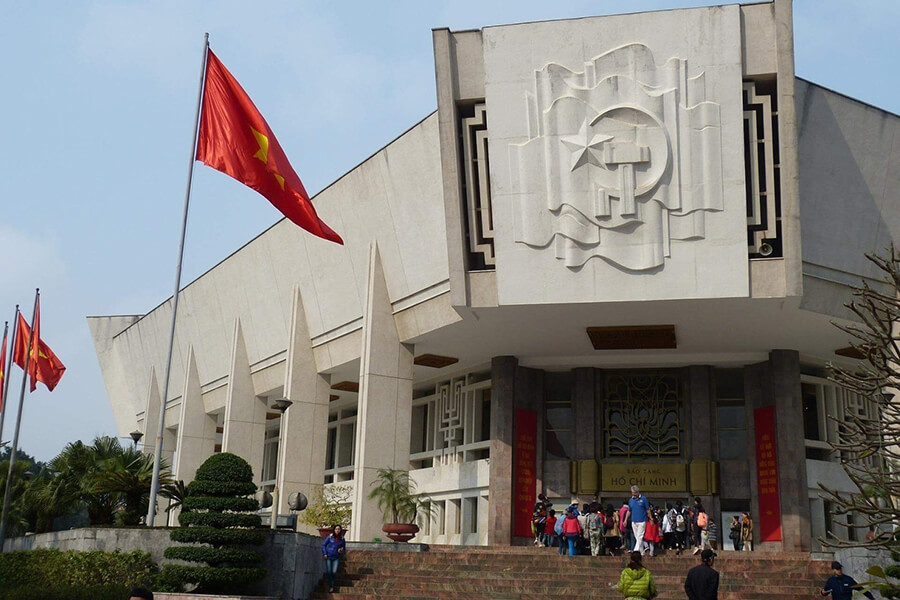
point(126, 475)
point(220, 512)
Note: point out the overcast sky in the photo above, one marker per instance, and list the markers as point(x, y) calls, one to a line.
point(97, 102)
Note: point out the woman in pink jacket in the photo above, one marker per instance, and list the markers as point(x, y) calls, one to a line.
point(571, 530)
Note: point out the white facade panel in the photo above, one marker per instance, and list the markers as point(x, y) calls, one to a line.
point(616, 163)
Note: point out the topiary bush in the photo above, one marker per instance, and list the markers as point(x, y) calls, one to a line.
point(51, 574)
point(217, 513)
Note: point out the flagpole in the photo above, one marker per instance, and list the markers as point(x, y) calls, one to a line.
point(4, 393)
point(15, 441)
point(161, 427)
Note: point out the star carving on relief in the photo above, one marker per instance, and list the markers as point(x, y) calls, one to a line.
point(586, 146)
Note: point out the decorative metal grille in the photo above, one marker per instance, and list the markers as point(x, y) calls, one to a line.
point(452, 424)
point(643, 415)
point(452, 412)
point(762, 170)
point(477, 182)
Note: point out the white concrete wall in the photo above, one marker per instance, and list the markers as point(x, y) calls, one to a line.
point(450, 484)
point(849, 191)
point(394, 197)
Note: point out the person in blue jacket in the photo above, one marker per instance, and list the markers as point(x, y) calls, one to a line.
point(842, 587)
point(333, 548)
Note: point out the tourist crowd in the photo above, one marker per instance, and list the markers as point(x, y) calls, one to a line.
point(636, 526)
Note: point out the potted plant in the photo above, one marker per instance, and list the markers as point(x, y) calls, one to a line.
point(330, 506)
point(395, 494)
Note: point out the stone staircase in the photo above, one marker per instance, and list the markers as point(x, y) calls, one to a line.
point(519, 573)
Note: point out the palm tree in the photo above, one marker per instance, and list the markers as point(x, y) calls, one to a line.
point(111, 481)
point(127, 475)
point(18, 518)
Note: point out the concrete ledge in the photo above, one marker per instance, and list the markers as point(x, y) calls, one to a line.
point(386, 547)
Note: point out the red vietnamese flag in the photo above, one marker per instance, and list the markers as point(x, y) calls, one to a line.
point(235, 139)
point(2, 369)
point(21, 349)
point(44, 365)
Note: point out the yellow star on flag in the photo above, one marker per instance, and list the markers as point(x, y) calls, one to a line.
point(263, 154)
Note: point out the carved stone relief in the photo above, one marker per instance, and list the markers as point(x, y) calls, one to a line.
point(623, 157)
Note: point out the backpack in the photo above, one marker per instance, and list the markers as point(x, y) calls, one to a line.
point(609, 522)
point(594, 522)
point(702, 520)
point(557, 529)
point(679, 521)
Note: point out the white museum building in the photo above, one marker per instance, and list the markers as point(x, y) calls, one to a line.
point(612, 255)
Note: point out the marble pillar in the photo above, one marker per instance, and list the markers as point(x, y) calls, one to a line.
point(196, 428)
point(301, 451)
point(245, 413)
point(385, 402)
point(503, 389)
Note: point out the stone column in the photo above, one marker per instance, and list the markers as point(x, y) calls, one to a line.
point(301, 450)
point(791, 449)
point(245, 413)
point(700, 425)
point(503, 388)
point(584, 410)
point(777, 382)
point(757, 388)
point(385, 401)
point(196, 429)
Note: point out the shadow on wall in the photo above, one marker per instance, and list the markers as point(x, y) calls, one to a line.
point(849, 191)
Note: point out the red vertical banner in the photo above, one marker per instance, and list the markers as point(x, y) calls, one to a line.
point(767, 475)
point(524, 471)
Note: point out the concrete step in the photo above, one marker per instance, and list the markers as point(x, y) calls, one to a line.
point(528, 573)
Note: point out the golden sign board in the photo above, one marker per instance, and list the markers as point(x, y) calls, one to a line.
point(648, 477)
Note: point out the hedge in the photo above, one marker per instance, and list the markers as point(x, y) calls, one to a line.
point(212, 556)
point(217, 537)
point(70, 592)
point(224, 467)
point(216, 512)
point(52, 573)
point(221, 488)
point(219, 520)
point(215, 578)
point(220, 504)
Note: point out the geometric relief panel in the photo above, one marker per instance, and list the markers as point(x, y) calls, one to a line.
point(451, 412)
point(623, 156)
point(642, 415)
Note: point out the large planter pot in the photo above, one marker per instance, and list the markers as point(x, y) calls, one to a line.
point(400, 532)
point(324, 532)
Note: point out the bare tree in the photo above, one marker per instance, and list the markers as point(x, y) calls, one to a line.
point(867, 444)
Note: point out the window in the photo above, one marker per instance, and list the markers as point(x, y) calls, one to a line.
point(732, 424)
point(472, 514)
point(558, 417)
point(451, 421)
point(456, 508)
point(823, 401)
point(731, 415)
point(270, 457)
point(341, 444)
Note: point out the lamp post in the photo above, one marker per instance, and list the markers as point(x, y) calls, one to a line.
point(281, 406)
point(136, 437)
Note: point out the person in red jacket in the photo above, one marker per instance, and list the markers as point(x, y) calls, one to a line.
point(550, 530)
point(651, 534)
point(571, 530)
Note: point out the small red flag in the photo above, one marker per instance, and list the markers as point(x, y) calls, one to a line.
point(3, 368)
point(44, 365)
point(235, 139)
